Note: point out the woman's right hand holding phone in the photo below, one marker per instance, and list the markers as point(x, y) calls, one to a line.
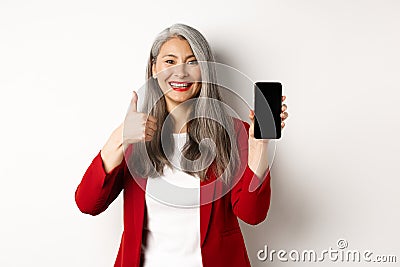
point(139, 127)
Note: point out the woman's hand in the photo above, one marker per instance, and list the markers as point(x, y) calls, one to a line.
point(139, 127)
point(258, 157)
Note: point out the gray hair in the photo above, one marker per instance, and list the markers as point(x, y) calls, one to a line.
point(210, 119)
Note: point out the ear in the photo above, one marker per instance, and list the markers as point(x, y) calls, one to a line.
point(153, 70)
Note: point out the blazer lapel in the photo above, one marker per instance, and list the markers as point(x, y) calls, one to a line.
point(207, 189)
point(139, 202)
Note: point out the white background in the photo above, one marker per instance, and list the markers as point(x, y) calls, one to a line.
point(67, 71)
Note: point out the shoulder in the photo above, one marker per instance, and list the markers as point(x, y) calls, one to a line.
point(240, 125)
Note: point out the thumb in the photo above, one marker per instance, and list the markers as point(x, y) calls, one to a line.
point(251, 129)
point(134, 101)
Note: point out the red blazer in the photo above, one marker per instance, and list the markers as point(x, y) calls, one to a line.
point(222, 242)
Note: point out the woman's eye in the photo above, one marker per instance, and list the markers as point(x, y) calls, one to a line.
point(192, 62)
point(169, 61)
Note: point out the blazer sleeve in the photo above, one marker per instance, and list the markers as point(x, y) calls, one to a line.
point(250, 196)
point(98, 189)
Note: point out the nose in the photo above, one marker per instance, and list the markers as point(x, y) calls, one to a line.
point(180, 71)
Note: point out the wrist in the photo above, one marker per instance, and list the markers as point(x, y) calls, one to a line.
point(111, 157)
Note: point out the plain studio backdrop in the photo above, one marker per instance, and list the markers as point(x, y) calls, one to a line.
point(67, 71)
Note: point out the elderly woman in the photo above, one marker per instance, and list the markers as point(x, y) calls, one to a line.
point(185, 166)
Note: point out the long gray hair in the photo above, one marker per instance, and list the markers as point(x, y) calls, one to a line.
point(211, 120)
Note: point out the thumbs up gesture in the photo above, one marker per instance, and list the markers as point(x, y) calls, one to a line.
point(138, 126)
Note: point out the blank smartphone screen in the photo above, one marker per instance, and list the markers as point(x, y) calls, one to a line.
point(267, 109)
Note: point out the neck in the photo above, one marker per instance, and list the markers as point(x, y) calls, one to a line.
point(180, 116)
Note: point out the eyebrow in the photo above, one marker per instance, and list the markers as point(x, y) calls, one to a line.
point(172, 55)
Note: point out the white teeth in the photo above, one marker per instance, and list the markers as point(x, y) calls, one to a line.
point(179, 84)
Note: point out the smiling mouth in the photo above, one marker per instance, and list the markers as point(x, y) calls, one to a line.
point(180, 86)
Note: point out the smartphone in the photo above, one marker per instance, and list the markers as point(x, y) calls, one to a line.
point(267, 110)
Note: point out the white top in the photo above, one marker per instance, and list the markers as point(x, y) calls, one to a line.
point(172, 234)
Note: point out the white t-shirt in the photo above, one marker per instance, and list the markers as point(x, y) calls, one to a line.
point(172, 233)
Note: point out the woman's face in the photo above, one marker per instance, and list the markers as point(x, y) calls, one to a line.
point(177, 71)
